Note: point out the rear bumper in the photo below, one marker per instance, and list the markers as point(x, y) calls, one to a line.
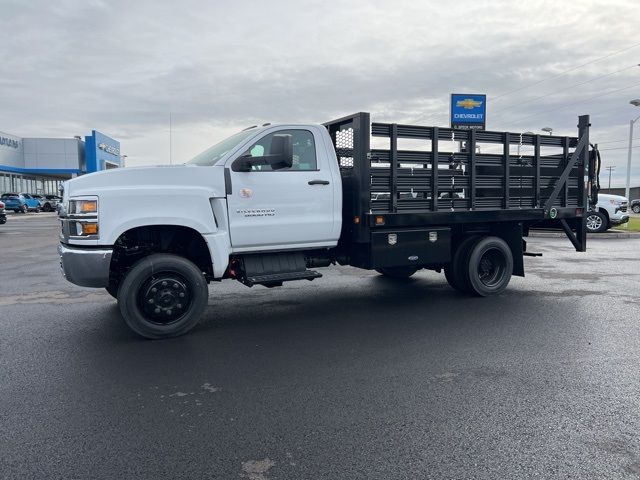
point(85, 267)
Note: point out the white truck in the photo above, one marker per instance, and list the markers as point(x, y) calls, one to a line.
point(611, 210)
point(271, 203)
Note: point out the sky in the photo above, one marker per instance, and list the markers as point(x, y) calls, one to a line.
point(124, 67)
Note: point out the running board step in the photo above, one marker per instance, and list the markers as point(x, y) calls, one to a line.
point(271, 269)
point(276, 279)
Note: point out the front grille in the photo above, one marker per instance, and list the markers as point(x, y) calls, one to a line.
point(623, 208)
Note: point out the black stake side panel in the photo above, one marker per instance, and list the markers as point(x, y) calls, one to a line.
point(432, 185)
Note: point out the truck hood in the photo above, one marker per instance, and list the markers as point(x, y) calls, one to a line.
point(167, 178)
point(606, 197)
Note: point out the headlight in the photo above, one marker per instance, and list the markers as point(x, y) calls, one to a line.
point(79, 207)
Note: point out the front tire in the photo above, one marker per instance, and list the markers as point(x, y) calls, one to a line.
point(635, 209)
point(596, 222)
point(397, 272)
point(163, 296)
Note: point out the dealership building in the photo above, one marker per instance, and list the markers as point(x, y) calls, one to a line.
point(38, 165)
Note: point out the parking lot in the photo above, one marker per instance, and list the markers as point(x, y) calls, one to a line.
point(352, 376)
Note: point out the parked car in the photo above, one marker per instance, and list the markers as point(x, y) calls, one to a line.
point(635, 205)
point(51, 203)
point(3, 215)
point(610, 210)
point(20, 202)
point(48, 203)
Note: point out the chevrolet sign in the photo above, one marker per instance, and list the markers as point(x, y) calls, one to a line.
point(9, 142)
point(468, 111)
point(109, 149)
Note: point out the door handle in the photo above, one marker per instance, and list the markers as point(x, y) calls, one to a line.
point(318, 182)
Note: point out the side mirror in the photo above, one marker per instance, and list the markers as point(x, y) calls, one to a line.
point(280, 155)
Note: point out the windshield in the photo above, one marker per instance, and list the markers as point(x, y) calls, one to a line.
point(212, 154)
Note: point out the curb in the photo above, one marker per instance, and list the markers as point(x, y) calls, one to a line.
point(592, 236)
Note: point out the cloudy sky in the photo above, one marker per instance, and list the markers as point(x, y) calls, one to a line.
point(121, 67)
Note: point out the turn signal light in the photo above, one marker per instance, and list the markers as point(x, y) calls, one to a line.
point(379, 220)
point(356, 220)
point(86, 228)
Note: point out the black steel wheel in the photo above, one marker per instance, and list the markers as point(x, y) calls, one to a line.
point(163, 296)
point(397, 272)
point(489, 267)
point(455, 272)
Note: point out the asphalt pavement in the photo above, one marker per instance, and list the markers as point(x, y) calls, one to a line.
point(351, 376)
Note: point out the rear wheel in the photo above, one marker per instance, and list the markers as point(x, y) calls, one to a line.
point(397, 272)
point(47, 207)
point(489, 266)
point(455, 271)
point(596, 222)
point(163, 296)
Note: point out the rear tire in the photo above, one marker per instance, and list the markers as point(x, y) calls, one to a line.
point(489, 266)
point(397, 272)
point(47, 207)
point(455, 271)
point(163, 296)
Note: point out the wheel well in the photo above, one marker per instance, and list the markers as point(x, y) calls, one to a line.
point(140, 242)
point(605, 213)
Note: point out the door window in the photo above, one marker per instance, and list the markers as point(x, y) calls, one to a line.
point(304, 150)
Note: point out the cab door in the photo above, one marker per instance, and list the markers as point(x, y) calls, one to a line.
point(284, 208)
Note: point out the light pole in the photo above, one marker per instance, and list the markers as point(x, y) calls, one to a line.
point(611, 168)
point(635, 103)
point(549, 130)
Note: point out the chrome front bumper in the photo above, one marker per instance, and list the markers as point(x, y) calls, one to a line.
point(85, 267)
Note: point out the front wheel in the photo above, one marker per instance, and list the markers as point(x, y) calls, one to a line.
point(635, 209)
point(163, 296)
point(596, 222)
point(397, 272)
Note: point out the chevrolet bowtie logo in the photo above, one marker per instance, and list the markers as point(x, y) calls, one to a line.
point(468, 103)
